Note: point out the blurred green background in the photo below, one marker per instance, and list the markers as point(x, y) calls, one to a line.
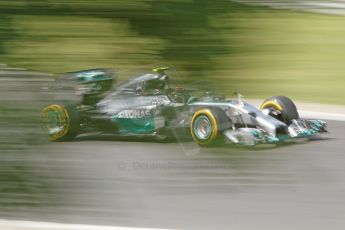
point(254, 50)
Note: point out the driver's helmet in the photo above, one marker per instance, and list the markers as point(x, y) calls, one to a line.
point(156, 83)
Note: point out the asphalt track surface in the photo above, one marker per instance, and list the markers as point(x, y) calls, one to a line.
point(298, 185)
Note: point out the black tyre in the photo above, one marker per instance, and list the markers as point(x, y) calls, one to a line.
point(60, 121)
point(281, 108)
point(206, 125)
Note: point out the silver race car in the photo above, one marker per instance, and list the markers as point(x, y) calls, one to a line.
point(147, 106)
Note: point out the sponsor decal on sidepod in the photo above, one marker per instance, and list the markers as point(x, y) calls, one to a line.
point(134, 114)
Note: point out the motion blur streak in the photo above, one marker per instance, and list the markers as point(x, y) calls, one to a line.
point(336, 7)
point(255, 49)
point(30, 225)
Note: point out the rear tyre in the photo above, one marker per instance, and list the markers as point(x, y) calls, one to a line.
point(281, 108)
point(60, 121)
point(206, 125)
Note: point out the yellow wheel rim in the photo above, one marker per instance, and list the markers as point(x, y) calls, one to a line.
point(271, 103)
point(209, 138)
point(55, 121)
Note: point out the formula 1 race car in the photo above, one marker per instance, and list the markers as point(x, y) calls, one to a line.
point(148, 106)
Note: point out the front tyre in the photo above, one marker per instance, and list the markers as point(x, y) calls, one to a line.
point(60, 122)
point(206, 125)
point(281, 108)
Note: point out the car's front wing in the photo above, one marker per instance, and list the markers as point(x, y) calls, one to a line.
point(297, 129)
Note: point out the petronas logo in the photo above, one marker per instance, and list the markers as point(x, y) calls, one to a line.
point(134, 114)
